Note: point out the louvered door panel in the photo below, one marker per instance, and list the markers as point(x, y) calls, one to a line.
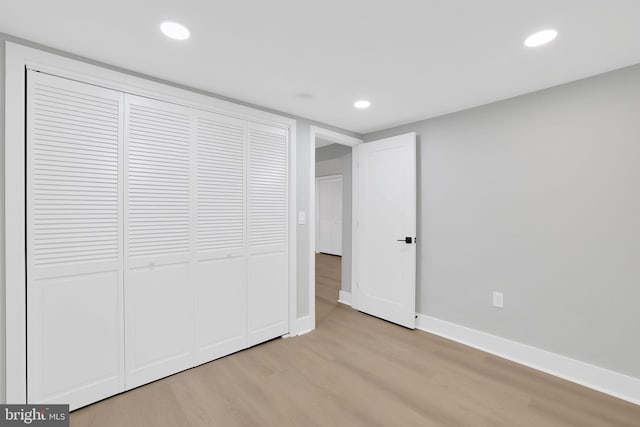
point(220, 270)
point(268, 238)
point(221, 170)
point(74, 241)
point(159, 289)
point(268, 189)
point(158, 175)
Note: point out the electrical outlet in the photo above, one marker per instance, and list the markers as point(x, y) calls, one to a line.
point(498, 299)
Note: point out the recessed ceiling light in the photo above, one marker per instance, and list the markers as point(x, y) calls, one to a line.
point(174, 30)
point(540, 38)
point(362, 104)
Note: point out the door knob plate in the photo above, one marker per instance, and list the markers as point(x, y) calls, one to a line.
point(407, 240)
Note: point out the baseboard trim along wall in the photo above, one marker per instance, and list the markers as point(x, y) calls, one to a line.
point(613, 383)
point(606, 381)
point(345, 298)
point(304, 325)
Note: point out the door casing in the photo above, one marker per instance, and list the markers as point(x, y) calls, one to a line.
point(308, 322)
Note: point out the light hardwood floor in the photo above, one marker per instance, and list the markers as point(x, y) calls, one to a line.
point(356, 370)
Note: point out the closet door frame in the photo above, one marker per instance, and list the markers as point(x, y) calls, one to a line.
point(20, 58)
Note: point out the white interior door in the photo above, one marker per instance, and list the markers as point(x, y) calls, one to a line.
point(329, 214)
point(74, 242)
point(159, 228)
point(386, 229)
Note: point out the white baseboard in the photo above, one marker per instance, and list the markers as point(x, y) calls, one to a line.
point(345, 298)
point(610, 382)
point(304, 325)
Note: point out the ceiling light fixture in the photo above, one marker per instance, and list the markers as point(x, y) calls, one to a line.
point(362, 104)
point(174, 30)
point(540, 38)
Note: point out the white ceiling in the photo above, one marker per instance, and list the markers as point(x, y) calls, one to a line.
point(413, 59)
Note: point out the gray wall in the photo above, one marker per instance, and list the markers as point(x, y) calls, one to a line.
point(2, 243)
point(538, 197)
point(302, 182)
point(336, 159)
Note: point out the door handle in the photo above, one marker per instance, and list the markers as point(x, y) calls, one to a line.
point(407, 240)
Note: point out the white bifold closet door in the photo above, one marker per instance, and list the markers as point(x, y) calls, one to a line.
point(74, 241)
point(159, 237)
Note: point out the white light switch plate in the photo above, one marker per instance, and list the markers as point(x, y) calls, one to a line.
point(302, 218)
point(498, 299)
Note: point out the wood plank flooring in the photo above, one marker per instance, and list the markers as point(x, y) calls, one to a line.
point(356, 370)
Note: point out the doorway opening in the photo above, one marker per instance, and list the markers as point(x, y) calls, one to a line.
point(331, 257)
point(333, 231)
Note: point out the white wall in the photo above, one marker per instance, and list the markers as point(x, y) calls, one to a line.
point(538, 197)
point(336, 159)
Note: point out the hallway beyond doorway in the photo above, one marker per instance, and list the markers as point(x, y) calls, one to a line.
point(328, 284)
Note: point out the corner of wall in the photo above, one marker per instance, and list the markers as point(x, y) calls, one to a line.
point(302, 200)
